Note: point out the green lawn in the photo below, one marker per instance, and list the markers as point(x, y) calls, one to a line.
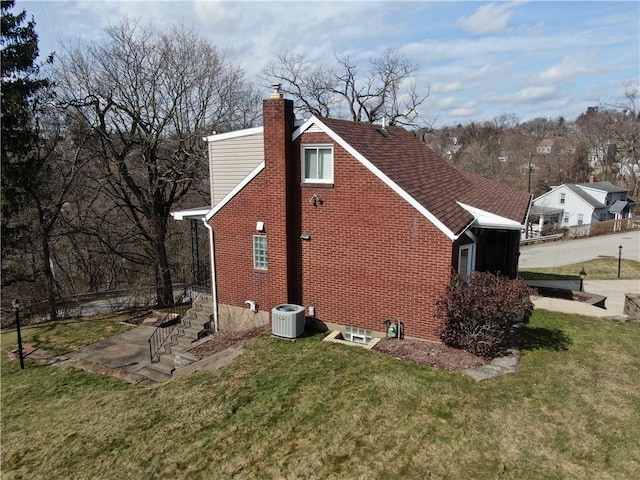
point(598, 269)
point(317, 410)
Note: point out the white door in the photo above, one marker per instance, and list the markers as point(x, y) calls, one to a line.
point(466, 260)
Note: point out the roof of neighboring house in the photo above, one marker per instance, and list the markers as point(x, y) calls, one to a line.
point(618, 206)
point(603, 186)
point(436, 185)
point(584, 195)
point(547, 142)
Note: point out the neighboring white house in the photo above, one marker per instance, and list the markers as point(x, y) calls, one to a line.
point(573, 204)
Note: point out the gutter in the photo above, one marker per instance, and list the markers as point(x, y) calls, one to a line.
point(214, 289)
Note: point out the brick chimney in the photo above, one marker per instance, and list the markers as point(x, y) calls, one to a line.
point(592, 179)
point(283, 220)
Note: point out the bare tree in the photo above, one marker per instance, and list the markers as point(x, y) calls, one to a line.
point(386, 90)
point(148, 98)
point(623, 128)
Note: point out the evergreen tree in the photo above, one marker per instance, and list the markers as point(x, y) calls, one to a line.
point(21, 88)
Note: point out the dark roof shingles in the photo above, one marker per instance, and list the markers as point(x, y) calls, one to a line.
point(429, 179)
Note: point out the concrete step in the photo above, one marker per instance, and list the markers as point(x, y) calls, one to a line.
point(165, 365)
point(192, 332)
point(195, 320)
point(154, 374)
point(184, 341)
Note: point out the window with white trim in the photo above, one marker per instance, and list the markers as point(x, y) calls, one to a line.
point(465, 259)
point(562, 198)
point(317, 163)
point(565, 218)
point(580, 219)
point(260, 252)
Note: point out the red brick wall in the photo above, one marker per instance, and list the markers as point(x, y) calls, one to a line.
point(264, 199)
point(371, 256)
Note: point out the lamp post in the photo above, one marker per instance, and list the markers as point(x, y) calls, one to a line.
point(619, 258)
point(16, 307)
point(582, 274)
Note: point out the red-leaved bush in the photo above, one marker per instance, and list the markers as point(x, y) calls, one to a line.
point(478, 311)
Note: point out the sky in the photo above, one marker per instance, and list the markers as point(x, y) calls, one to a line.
point(477, 59)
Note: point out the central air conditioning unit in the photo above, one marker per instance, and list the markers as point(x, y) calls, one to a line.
point(288, 320)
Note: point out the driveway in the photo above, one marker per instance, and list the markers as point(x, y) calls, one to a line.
point(567, 252)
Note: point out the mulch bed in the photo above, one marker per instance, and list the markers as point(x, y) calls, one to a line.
point(431, 354)
point(218, 343)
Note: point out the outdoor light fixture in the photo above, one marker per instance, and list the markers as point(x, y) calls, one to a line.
point(582, 274)
point(305, 236)
point(16, 307)
point(260, 226)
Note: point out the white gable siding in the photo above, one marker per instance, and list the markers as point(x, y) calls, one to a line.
point(231, 160)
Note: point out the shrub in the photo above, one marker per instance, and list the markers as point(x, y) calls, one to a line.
point(479, 311)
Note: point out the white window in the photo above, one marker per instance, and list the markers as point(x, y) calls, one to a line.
point(562, 198)
point(465, 259)
point(317, 163)
point(580, 219)
point(565, 218)
point(260, 252)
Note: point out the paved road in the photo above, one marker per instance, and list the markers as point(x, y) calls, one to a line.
point(567, 252)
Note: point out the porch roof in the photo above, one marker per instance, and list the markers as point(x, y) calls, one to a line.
point(486, 219)
point(197, 213)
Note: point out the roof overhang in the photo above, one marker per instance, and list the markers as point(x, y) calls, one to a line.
point(216, 137)
point(486, 219)
point(198, 213)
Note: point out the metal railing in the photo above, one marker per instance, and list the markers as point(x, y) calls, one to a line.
point(162, 335)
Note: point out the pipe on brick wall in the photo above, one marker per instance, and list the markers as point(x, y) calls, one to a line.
point(212, 258)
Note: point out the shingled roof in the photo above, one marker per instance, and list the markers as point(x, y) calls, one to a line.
point(435, 184)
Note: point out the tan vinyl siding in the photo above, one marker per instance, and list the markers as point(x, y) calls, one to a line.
point(231, 160)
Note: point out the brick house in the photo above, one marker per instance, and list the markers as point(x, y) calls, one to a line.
point(358, 223)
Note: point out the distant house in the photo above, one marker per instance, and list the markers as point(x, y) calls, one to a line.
point(548, 146)
point(357, 223)
point(583, 204)
point(602, 153)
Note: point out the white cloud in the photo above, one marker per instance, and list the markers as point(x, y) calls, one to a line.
point(532, 94)
point(447, 102)
point(529, 56)
point(489, 18)
point(568, 68)
point(447, 87)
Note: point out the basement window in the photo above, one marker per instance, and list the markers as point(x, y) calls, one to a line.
point(358, 335)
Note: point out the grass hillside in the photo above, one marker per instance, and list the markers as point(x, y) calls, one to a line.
point(317, 410)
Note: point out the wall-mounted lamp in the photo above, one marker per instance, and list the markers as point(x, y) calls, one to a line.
point(305, 236)
point(260, 226)
point(315, 199)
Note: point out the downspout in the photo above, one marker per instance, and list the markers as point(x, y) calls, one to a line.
point(214, 289)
